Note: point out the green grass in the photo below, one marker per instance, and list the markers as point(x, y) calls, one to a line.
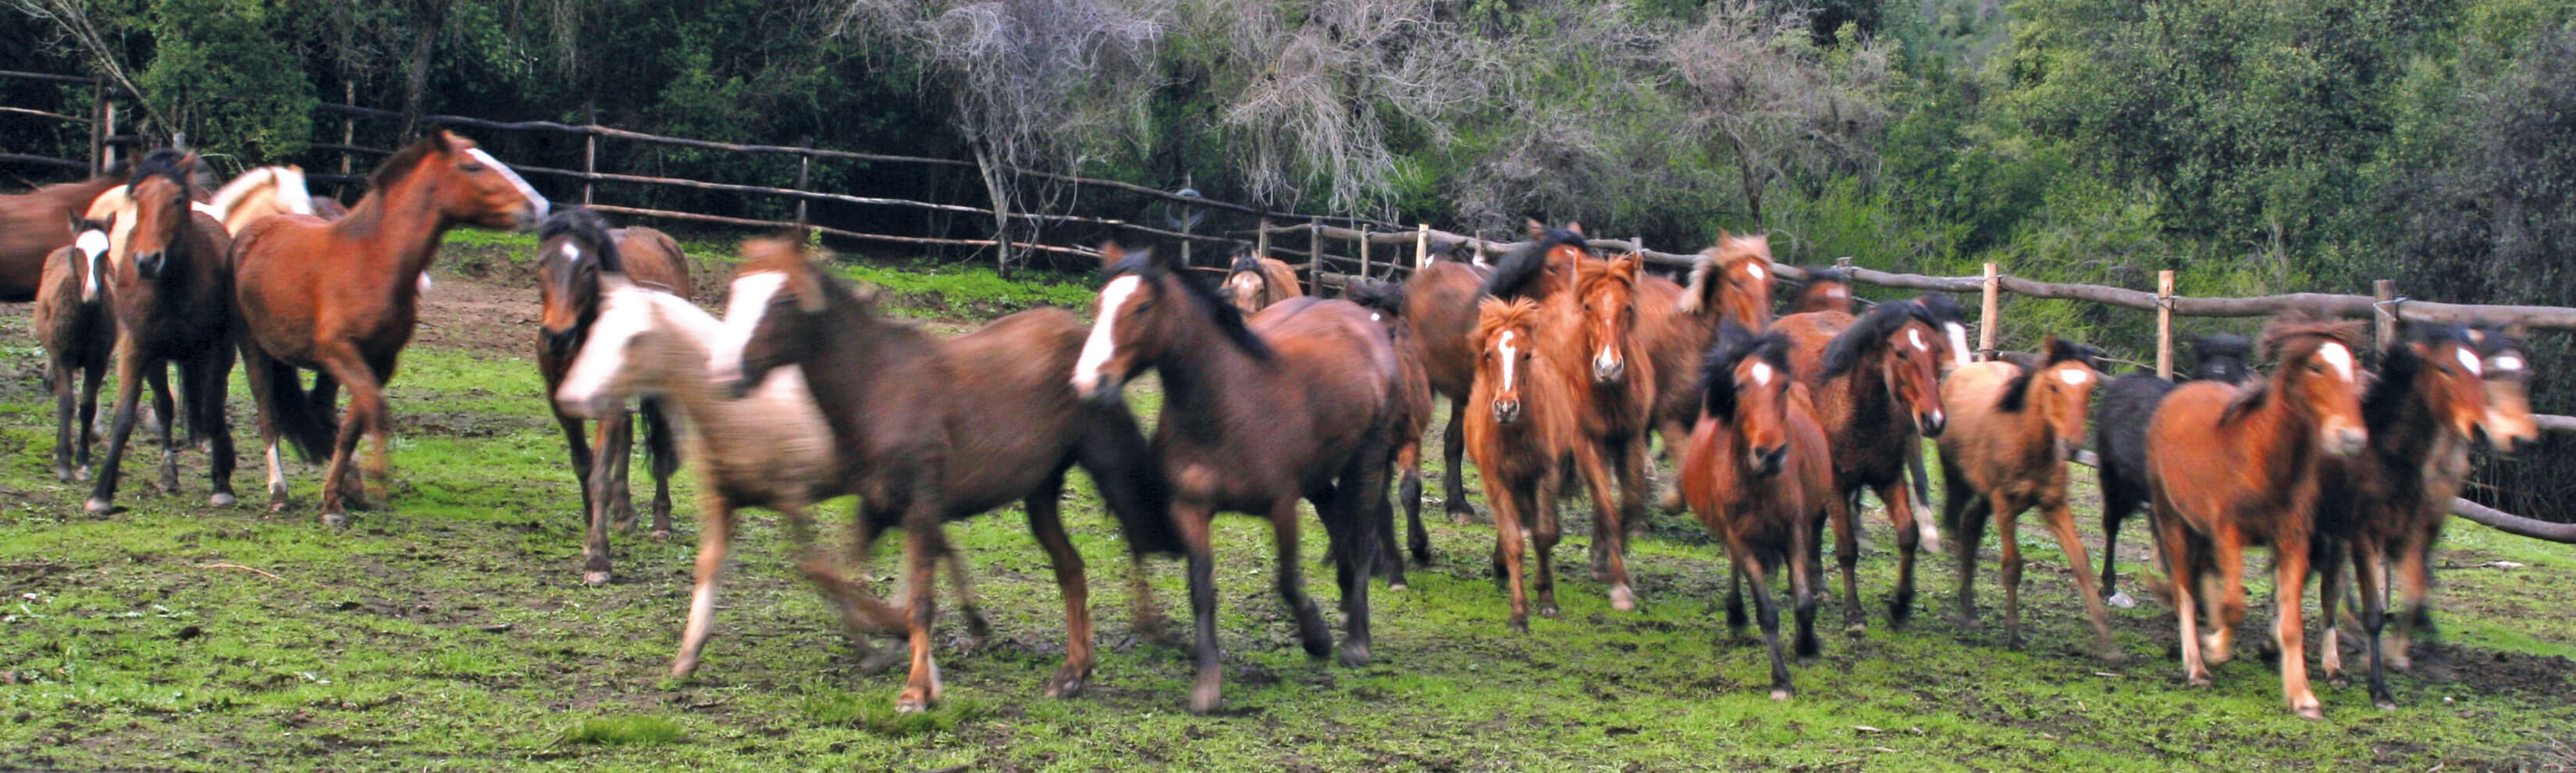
point(452, 632)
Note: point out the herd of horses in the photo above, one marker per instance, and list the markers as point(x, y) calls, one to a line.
point(1562, 367)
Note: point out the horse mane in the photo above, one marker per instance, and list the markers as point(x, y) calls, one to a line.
point(1494, 314)
point(1622, 271)
point(1940, 309)
point(1828, 274)
point(231, 194)
point(165, 163)
point(1733, 344)
point(1696, 294)
point(1872, 329)
point(400, 164)
point(1245, 262)
point(584, 226)
point(2017, 390)
point(1517, 272)
point(1377, 295)
point(1228, 319)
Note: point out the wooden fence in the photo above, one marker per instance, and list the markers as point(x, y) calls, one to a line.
point(1406, 248)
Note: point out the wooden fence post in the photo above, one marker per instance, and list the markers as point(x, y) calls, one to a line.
point(804, 180)
point(1261, 240)
point(2383, 313)
point(1364, 254)
point(2164, 324)
point(348, 134)
point(97, 114)
point(108, 130)
point(590, 155)
point(1421, 245)
point(1989, 323)
point(1315, 253)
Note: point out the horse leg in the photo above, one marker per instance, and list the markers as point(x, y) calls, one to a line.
point(1735, 619)
point(2172, 539)
point(2229, 554)
point(209, 376)
point(924, 542)
point(1506, 498)
point(616, 443)
point(1387, 557)
point(261, 373)
point(1676, 434)
point(62, 387)
point(1048, 526)
point(1847, 558)
point(1803, 554)
point(2008, 539)
point(2413, 579)
point(340, 482)
point(1290, 581)
point(129, 392)
point(157, 376)
point(1766, 610)
point(715, 537)
point(1914, 533)
point(1635, 487)
point(1965, 512)
point(2289, 571)
point(859, 615)
point(2329, 565)
point(1453, 470)
point(1192, 518)
point(2370, 572)
point(2062, 520)
point(91, 376)
point(2117, 503)
point(1610, 562)
point(1544, 536)
point(1362, 502)
point(1408, 458)
point(661, 446)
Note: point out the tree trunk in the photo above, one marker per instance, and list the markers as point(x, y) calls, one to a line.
point(431, 18)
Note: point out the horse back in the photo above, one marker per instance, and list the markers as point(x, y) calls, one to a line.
point(2209, 465)
point(653, 257)
point(1010, 382)
point(1440, 304)
point(33, 225)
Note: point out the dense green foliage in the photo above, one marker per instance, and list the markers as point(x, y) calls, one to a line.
point(2252, 146)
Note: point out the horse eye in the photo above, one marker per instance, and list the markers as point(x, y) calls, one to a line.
point(472, 167)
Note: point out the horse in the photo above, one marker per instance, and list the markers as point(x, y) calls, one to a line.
point(1386, 301)
point(1296, 402)
point(32, 227)
point(577, 248)
point(2388, 501)
point(1756, 472)
point(928, 431)
point(2120, 438)
point(341, 298)
point(1731, 281)
point(78, 328)
point(2230, 466)
point(1255, 282)
point(1876, 388)
point(1440, 309)
point(1523, 431)
point(260, 192)
point(2011, 430)
point(1825, 289)
point(172, 297)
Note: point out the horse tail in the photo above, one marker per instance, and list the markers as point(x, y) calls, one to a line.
point(306, 422)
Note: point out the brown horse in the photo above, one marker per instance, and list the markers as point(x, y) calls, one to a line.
point(173, 305)
point(1877, 392)
point(2235, 466)
point(1826, 289)
point(32, 227)
point(1297, 402)
point(2010, 433)
point(1522, 430)
point(578, 248)
point(2508, 429)
point(1757, 472)
point(2388, 501)
point(928, 431)
point(78, 329)
point(341, 297)
point(1731, 281)
point(1440, 308)
point(1386, 301)
point(1256, 282)
point(1618, 403)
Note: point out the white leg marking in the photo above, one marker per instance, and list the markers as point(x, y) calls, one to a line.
point(276, 469)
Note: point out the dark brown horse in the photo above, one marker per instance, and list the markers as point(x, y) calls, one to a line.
point(2388, 501)
point(32, 226)
point(1877, 393)
point(1385, 301)
point(928, 431)
point(78, 328)
point(578, 247)
point(1440, 307)
point(2235, 466)
point(341, 297)
point(1523, 431)
point(2120, 438)
point(1297, 402)
point(2011, 430)
point(1256, 282)
point(1731, 281)
point(1757, 472)
point(1825, 289)
point(172, 297)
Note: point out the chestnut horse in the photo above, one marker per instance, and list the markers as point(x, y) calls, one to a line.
point(1297, 402)
point(341, 297)
point(1756, 471)
point(32, 227)
point(1256, 282)
point(2010, 433)
point(2388, 501)
point(78, 329)
point(1825, 289)
point(928, 431)
point(1731, 281)
point(172, 298)
point(1522, 429)
point(1876, 384)
point(2235, 466)
point(577, 248)
point(2120, 438)
point(1385, 301)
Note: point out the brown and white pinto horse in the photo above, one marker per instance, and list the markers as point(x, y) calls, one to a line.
point(173, 305)
point(1297, 402)
point(2011, 430)
point(1730, 281)
point(578, 248)
point(1877, 392)
point(1757, 473)
point(78, 328)
point(2235, 466)
point(1523, 431)
point(341, 298)
point(1256, 282)
point(261, 192)
point(32, 226)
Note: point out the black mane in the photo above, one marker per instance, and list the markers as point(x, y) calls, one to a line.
point(1871, 330)
point(1515, 274)
point(2220, 357)
point(1377, 295)
point(587, 229)
point(163, 163)
point(1825, 274)
point(1228, 319)
point(1717, 369)
point(2384, 404)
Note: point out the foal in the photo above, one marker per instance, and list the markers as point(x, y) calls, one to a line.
point(1731, 281)
point(2011, 431)
point(577, 249)
point(2232, 466)
point(79, 332)
point(1522, 429)
point(1256, 282)
point(173, 305)
point(31, 227)
point(1756, 472)
point(2120, 438)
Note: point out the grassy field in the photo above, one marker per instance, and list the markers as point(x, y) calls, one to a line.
point(453, 631)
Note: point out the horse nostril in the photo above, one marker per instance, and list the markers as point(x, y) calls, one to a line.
point(1507, 411)
point(1768, 460)
point(1931, 423)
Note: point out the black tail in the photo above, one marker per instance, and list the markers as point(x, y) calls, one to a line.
point(311, 428)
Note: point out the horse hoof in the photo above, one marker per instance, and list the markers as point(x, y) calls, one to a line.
point(2112, 655)
point(97, 506)
point(2310, 711)
point(1623, 599)
point(2196, 680)
point(1395, 585)
point(81, 474)
point(1462, 516)
point(595, 577)
point(659, 535)
point(336, 520)
point(1355, 654)
point(62, 473)
point(1548, 611)
point(222, 499)
point(682, 667)
point(1856, 629)
point(1779, 693)
point(2384, 704)
point(1518, 624)
point(2122, 600)
point(910, 705)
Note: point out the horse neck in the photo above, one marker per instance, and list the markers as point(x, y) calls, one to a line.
point(2412, 431)
point(681, 359)
point(1204, 372)
point(402, 221)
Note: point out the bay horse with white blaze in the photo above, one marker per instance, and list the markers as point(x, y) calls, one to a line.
point(577, 248)
point(1297, 402)
point(2011, 430)
point(341, 298)
point(1758, 474)
point(2235, 466)
point(1523, 432)
point(1877, 393)
point(928, 431)
point(172, 300)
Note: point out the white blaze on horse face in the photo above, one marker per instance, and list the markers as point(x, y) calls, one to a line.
point(1754, 269)
point(93, 246)
point(1510, 359)
point(2073, 377)
point(2506, 363)
point(291, 192)
point(1761, 373)
point(2469, 361)
point(2338, 358)
point(1603, 362)
point(1103, 342)
point(1958, 344)
point(751, 295)
point(534, 200)
point(1916, 336)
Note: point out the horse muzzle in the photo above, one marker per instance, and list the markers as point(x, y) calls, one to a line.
point(1507, 411)
point(1099, 389)
point(591, 406)
point(1606, 370)
point(1930, 423)
point(561, 343)
point(1767, 461)
point(148, 264)
point(2346, 441)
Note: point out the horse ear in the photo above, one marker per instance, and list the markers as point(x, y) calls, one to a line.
point(1537, 230)
point(1576, 226)
point(448, 142)
point(188, 163)
point(808, 287)
point(1110, 254)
